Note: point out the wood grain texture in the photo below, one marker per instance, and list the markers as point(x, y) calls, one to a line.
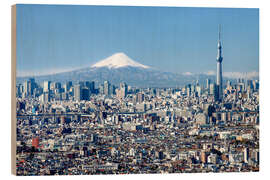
point(13, 90)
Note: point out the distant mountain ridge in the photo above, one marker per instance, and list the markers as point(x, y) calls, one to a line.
point(120, 68)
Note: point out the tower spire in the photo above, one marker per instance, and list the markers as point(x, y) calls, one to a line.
point(219, 36)
point(219, 94)
point(219, 32)
point(219, 54)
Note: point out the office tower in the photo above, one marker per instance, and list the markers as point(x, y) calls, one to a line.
point(81, 83)
point(123, 90)
point(219, 70)
point(101, 89)
point(46, 86)
point(26, 88)
point(78, 92)
point(67, 86)
point(188, 91)
point(57, 85)
point(85, 94)
point(107, 88)
point(216, 93)
point(87, 84)
point(47, 97)
point(208, 81)
point(192, 88)
point(198, 90)
point(212, 89)
point(29, 87)
point(112, 90)
point(92, 87)
point(19, 90)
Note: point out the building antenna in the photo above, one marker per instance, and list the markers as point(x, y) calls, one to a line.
point(219, 32)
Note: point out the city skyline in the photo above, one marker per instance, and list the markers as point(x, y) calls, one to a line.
point(184, 37)
point(139, 110)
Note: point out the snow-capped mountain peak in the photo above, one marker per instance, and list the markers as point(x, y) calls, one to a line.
point(118, 60)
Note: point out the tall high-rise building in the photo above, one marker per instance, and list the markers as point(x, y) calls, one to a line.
point(87, 84)
point(78, 92)
point(19, 90)
point(212, 89)
point(46, 97)
point(85, 93)
point(46, 86)
point(219, 69)
point(198, 90)
point(192, 87)
point(123, 89)
point(90, 86)
point(57, 85)
point(67, 86)
point(121, 92)
point(101, 89)
point(29, 87)
point(188, 90)
point(208, 81)
point(112, 90)
point(107, 88)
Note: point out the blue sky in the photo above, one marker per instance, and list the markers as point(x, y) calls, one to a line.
point(53, 38)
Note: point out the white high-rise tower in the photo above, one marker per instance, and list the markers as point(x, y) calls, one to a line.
point(219, 95)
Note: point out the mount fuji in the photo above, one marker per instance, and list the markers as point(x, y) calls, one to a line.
point(116, 69)
point(118, 60)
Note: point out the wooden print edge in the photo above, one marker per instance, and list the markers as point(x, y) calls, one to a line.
point(13, 89)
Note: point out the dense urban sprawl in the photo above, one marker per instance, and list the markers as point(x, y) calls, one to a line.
point(75, 128)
